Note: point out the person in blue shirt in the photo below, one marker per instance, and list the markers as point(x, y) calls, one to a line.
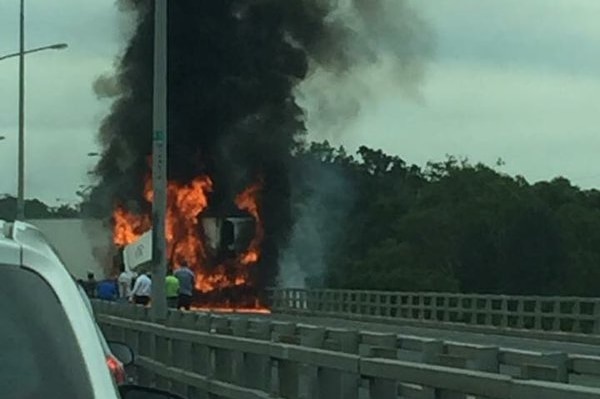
point(107, 290)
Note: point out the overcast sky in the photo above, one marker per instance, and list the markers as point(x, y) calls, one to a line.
point(511, 79)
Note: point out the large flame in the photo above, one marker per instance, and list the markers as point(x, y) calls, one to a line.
point(248, 201)
point(185, 236)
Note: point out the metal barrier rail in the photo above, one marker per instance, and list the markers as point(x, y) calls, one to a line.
point(566, 314)
point(233, 358)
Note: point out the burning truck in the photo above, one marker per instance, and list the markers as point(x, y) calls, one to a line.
point(235, 121)
point(223, 251)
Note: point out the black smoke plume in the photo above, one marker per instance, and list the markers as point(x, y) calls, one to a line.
point(232, 114)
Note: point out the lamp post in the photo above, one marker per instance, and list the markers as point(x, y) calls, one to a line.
point(21, 142)
point(159, 163)
point(57, 46)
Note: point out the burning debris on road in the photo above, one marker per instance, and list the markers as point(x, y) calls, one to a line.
point(233, 70)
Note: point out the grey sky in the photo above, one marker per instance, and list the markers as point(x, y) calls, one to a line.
point(513, 79)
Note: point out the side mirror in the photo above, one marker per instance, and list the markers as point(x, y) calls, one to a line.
point(137, 392)
point(122, 352)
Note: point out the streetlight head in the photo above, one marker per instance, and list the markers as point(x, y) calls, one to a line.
point(93, 154)
point(59, 46)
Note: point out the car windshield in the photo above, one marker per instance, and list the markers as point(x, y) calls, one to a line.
point(40, 355)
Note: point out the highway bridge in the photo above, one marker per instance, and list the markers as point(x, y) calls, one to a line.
point(364, 344)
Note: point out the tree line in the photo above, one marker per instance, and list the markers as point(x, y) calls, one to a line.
point(35, 209)
point(451, 226)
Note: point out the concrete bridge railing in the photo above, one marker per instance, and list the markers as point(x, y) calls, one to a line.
point(535, 313)
point(204, 356)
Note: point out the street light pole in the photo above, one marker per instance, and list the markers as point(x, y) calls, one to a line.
point(21, 156)
point(57, 46)
point(159, 163)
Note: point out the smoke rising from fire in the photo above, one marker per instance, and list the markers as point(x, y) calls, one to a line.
point(234, 70)
point(319, 217)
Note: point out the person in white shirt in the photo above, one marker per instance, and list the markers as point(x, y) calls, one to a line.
point(140, 294)
point(124, 281)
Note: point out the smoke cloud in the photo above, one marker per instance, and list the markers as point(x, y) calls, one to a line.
point(322, 204)
point(234, 70)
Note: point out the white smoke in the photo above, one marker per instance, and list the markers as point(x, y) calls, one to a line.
point(319, 217)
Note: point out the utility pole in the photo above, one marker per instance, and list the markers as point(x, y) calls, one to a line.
point(159, 164)
point(21, 156)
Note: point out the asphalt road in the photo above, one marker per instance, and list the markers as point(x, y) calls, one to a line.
point(505, 342)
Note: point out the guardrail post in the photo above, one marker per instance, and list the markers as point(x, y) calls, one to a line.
point(575, 316)
point(287, 370)
point(200, 354)
point(537, 313)
point(556, 317)
point(381, 346)
point(596, 312)
point(181, 351)
point(258, 367)
point(162, 354)
point(520, 313)
point(489, 311)
point(382, 388)
point(239, 328)
point(505, 312)
point(147, 349)
point(348, 343)
point(222, 357)
point(313, 337)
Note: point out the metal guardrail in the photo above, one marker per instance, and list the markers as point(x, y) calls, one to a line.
point(229, 357)
point(536, 313)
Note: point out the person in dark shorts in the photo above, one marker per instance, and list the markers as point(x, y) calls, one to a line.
point(187, 282)
point(142, 289)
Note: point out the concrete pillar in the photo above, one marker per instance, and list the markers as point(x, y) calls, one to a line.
point(556, 315)
point(162, 354)
point(314, 337)
point(239, 328)
point(382, 346)
point(596, 326)
point(489, 318)
point(538, 313)
point(576, 312)
point(147, 345)
point(288, 373)
point(223, 362)
point(348, 343)
point(520, 313)
point(505, 312)
point(258, 367)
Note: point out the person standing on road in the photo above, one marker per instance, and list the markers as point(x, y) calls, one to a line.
point(90, 285)
point(107, 289)
point(140, 294)
point(125, 280)
point(187, 282)
point(172, 289)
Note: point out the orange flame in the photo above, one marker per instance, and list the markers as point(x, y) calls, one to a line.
point(249, 201)
point(128, 227)
point(185, 237)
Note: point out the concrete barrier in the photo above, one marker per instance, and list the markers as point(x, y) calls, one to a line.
point(199, 355)
point(535, 313)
